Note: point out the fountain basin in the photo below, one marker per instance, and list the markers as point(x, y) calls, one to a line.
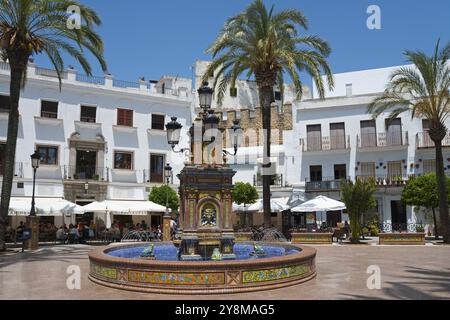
point(113, 268)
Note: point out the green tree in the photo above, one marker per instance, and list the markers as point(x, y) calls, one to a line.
point(158, 195)
point(423, 192)
point(358, 198)
point(423, 90)
point(244, 193)
point(267, 45)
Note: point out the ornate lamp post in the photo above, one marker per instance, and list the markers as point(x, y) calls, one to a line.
point(205, 184)
point(167, 217)
point(35, 161)
point(33, 220)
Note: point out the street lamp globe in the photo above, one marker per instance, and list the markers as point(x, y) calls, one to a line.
point(173, 129)
point(205, 95)
point(167, 172)
point(35, 160)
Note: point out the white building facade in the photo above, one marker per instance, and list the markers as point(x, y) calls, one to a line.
point(98, 137)
point(102, 138)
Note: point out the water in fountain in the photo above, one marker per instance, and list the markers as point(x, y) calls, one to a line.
point(140, 235)
point(269, 235)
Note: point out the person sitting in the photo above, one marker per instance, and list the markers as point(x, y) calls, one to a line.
point(73, 234)
point(61, 235)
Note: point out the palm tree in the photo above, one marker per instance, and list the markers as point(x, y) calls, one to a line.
point(423, 90)
point(267, 45)
point(31, 27)
point(358, 198)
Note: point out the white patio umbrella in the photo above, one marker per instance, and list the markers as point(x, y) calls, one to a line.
point(276, 205)
point(142, 207)
point(320, 203)
point(107, 207)
point(44, 207)
point(240, 207)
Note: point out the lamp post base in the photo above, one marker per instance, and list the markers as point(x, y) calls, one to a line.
point(166, 227)
point(32, 222)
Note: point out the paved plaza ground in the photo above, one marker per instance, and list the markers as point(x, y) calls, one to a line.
point(413, 272)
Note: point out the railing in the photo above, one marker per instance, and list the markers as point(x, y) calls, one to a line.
point(125, 84)
point(277, 181)
point(85, 173)
point(338, 142)
point(50, 73)
point(326, 184)
point(423, 140)
point(148, 177)
point(49, 114)
point(383, 139)
point(4, 66)
point(168, 91)
point(90, 79)
point(393, 180)
point(90, 119)
point(400, 227)
point(18, 169)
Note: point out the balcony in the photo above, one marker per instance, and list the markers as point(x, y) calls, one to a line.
point(423, 140)
point(383, 140)
point(388, 180)
point(332, 143)
point(18, 169)
point(85, 173)
point(277, 181)
point(149, 177)
point(327, 184)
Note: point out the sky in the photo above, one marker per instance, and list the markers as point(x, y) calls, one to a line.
point(152, 38)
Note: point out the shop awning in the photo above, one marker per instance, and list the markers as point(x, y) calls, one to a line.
point(53, 207)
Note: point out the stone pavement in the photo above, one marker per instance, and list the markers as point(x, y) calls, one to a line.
point(408, 272)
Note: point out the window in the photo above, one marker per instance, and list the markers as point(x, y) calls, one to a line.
point(340, 171)
point(277, 95)
point(314, 137)
point(368, 134)
point(2, 152)
point(49, 109)
point(158, 121)
point(4, 103)
point(315, 173)
point(88, 114)
point(123, 160)
point(368, 169)
point(233, 92)
point(394, 169)
point(49, 155)
point(337, 136)
point(157, 168)
point(394, 133)
point(124, 117)
point(429, 166)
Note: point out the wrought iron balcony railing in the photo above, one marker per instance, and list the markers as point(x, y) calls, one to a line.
point(423, 140)
point(337, 142)
point(85, 173)
point(393, 180)
point(326, 184)
point(382, 139)
point(277, 181)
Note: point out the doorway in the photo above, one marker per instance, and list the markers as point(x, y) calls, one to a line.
point(333, 218)
point(398, 216)
point(86, 164)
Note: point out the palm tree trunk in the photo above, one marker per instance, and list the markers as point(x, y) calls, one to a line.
point(436, 234)
point(266, 97)
point(442, 192)
point(10, 150)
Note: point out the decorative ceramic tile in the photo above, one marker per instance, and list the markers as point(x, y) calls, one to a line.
point(274, 274)
point(102, 271)
point(176, 278)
